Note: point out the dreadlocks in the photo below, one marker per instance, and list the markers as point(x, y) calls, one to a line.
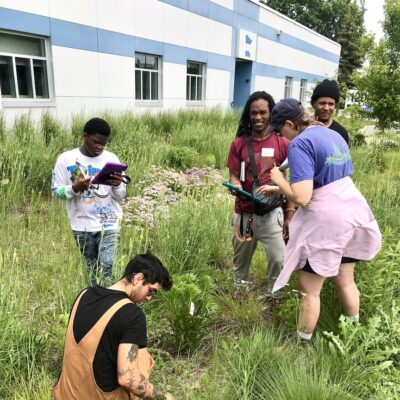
point(244, 128)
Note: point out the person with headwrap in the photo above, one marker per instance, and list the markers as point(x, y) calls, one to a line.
point(324, 99)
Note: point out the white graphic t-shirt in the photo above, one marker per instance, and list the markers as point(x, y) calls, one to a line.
point(96, 208)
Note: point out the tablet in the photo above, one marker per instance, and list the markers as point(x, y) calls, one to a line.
point(108, 169)
point(241, 191)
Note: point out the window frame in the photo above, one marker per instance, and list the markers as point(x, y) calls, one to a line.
point(202, 76)
point(26, 101)
point(288, 88)
point(303, 90)
point(149, 102)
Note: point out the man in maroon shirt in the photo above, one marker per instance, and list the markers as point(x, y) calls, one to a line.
point(269, 149)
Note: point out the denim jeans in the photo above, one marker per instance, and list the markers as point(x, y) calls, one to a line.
point(99, 250)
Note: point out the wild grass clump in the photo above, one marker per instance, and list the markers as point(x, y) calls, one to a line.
point(264, 365)
point(50, 127)
point(193, 237)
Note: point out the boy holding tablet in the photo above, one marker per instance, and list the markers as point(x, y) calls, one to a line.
point(93, 210)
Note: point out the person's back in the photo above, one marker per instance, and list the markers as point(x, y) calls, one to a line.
point(105, 354)
point(319, 154)
point(128, 325)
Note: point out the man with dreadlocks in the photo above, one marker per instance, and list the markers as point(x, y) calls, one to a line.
point(253, 148)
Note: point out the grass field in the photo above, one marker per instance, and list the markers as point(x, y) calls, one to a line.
point(225, 350)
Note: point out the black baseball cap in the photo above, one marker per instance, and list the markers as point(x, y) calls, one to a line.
point(284, 110)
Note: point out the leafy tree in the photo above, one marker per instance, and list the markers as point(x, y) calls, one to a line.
point(380, 80)
point(339, 20)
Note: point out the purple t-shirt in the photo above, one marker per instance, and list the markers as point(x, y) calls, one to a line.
point(319, 154)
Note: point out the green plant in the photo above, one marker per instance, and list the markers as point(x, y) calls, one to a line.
point(3, 129)
point(180, 157)
point(190, 308)
point(50, 127)
point(23, 129)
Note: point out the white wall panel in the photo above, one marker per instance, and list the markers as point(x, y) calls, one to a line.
point(294, 29)
point(78, 11)
point(194, 31)
point(116, 16)
point(116, 76)
point(273, 86)
point(76, 72)
point(40, 7)
point(225, 3)
point(174, 81)
point(217, 85)
point(148, 19)
point(269, 52)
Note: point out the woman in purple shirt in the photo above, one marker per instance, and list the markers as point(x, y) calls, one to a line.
point(333, 227)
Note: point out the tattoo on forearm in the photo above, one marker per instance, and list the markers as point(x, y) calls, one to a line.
point(142, 387)
point(133, 351)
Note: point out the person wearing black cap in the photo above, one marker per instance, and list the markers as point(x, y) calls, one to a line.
point(324, 99)
point(333, 227)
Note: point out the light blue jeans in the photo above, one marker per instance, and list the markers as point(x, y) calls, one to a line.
point(99, 250)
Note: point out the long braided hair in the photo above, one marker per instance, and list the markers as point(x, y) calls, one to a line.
point(244, 128)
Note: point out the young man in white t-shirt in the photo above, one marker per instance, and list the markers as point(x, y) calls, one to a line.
point(94, 212)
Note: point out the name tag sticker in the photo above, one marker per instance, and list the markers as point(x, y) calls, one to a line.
point(267, 152)
point(242, 171)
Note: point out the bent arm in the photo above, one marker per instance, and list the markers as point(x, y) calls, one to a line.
point(299, 192)
point(61, 185)
point(132, 372)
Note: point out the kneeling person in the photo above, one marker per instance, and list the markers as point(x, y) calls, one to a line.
point(105, 350)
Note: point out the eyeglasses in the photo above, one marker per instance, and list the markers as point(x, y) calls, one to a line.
point(152, 291)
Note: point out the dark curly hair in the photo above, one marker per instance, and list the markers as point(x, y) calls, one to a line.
point(152, 269)
point(244, 128)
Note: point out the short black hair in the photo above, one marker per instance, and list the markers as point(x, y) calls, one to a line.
point(244, 128)
point(152, 269)
point(97, 125)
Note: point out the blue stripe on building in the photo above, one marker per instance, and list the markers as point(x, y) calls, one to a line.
point(246, 16)
point(24, 22)
point(83, 37)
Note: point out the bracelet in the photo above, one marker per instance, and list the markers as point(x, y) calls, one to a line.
point(291, 209)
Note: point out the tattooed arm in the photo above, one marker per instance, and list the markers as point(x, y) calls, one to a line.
point(130, 376)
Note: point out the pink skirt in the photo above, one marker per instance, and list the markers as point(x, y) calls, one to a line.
point(336, 223)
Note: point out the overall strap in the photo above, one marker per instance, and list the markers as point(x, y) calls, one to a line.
point(249, 143)
point(70, 333)
point(92, 339)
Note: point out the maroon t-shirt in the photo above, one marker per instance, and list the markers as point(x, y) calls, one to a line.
point(272, 149)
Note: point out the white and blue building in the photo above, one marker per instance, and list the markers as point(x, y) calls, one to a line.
point(85, 56)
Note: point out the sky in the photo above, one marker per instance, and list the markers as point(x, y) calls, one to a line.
point(373, 17)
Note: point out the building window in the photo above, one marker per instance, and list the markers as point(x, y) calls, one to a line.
point(23, 67)
point(288, 87)
point(303, 89)
point(147, 77)
point(195, 81)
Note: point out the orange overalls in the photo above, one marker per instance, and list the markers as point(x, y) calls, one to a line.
point(77, 380)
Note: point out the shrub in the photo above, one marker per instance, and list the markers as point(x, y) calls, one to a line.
point(181, 157)
point(190, 308)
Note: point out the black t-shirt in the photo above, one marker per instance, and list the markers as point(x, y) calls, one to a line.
point(341, 130)
point(128, 325)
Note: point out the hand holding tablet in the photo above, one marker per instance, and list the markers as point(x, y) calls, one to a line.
point(106, 173)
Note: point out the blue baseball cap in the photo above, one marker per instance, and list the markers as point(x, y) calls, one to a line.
point(284, 110)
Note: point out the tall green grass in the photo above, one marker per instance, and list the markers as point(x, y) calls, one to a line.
point(241, 351)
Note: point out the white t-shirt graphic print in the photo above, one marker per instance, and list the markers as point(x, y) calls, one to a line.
point(94, 209)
